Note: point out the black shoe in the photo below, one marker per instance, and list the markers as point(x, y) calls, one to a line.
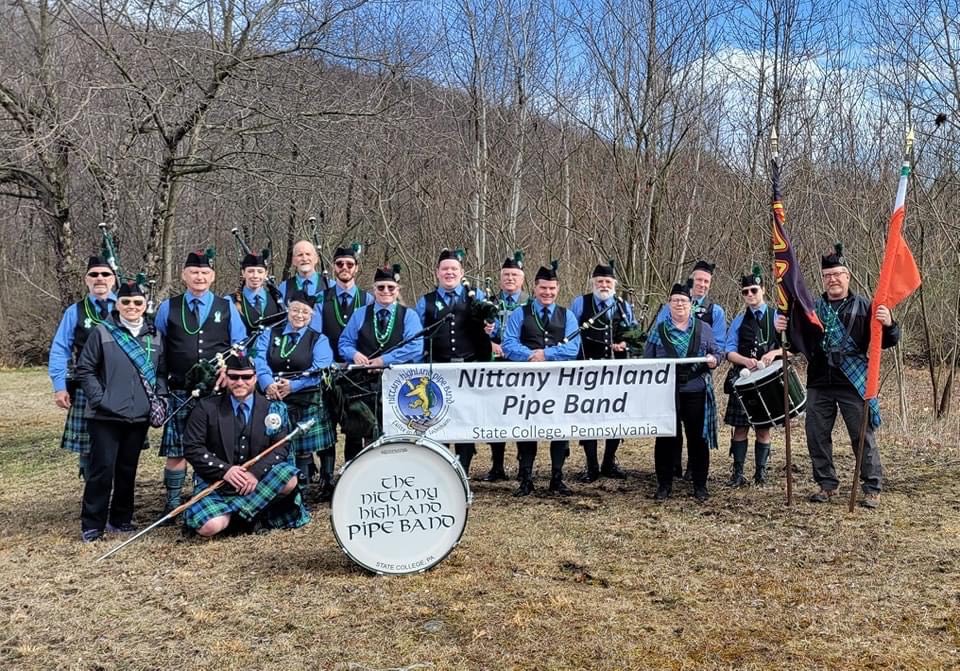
point(613, 471)
point(760, 478)
point(663, 493)
point(687, 475)
point(589, 475)
point(495, 475)
point(558, 487)
point(701, 494)
point(326, 492)
point(525, 488)
point(737, 479)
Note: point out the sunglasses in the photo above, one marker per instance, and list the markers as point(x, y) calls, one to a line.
point(139, 302)
point(345, 264)
point(105, 273)
point(386, 288)
point(246, 377)
point(750, 291)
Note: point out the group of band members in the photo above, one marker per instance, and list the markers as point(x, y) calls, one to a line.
point(109, 362)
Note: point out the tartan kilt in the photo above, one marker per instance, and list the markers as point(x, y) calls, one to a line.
point(76, 438)
point(735, 414)
point(320, 437)
point(253, 504)
point(171, 445)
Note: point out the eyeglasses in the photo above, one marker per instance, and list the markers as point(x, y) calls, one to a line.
point(345, 264)
point(679, 301)
point(386, 288)
point(747, 291)
point(138, 302)
point(95, 275)
point(236, 377)
point(299, 311)
point(834, 275)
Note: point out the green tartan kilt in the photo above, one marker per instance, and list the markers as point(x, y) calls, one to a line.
point(320, 437)
point(75, 435)
point(735, 415)
point(171, 445)
point(253, 504)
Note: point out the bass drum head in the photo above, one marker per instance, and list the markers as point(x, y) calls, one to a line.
point(400, 506)
point(761, 376)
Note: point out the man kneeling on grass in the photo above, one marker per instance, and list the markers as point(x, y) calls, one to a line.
point(222, 433)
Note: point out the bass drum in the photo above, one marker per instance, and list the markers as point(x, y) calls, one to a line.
point(761, 393)
point(400, 506)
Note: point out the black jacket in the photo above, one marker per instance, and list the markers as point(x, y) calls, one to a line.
point(209, 440)
point(854, 315)
point(111, 381)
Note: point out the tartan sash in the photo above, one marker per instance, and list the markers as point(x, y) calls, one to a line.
point(132, 348)
point(853, 362)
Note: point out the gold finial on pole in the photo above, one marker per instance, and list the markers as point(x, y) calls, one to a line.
point(910, 139)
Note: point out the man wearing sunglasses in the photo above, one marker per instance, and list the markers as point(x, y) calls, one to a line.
point(836, 379)
point(78, 322)
point(752, 343)
point(196, 326)
point(380, 334)
point(330, 317)
point(461, 338)
point(705, 310)
point(222, 433)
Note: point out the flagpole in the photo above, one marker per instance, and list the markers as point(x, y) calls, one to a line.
point(784, 347)
point(908, 149)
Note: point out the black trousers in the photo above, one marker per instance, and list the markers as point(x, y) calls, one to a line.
point(114, 455)
point(527, 454)
point(690, 418)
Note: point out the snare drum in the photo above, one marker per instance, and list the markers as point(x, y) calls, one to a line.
point(761, 394)
point(400, 506)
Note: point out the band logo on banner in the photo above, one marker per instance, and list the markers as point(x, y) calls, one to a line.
point(481, 402)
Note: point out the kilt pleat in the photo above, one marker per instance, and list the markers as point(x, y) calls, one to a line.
point(253, 504)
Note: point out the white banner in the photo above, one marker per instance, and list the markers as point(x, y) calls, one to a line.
point(506, 402)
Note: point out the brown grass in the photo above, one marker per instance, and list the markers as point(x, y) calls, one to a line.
point(602, 580)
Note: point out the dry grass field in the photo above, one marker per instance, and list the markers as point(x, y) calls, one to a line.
point(605, 579)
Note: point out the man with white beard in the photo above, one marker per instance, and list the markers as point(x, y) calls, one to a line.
point(602, 339)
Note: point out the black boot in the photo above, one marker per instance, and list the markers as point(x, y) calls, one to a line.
point(525, 476)
point(465, 452)
point(326, 475)
point(557, 485)
point(497, 472)
point(610, 467)
point(761, 453)
point(738, 449)
point(592, 471)
point(305, 466)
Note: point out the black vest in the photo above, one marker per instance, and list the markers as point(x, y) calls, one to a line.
point(535, 337)
point(183, 349)
point(687, 371)
point(452, 340)
point(595, 341)
point(298, 360)
point(750, 340)
point(366, 339)
point(704, 312)
point(332, 326)
point(290, 286)
point(84, 326)
point(249, 314)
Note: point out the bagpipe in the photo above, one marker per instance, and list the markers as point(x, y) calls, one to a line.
point(108, 250)
point(483, 312)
